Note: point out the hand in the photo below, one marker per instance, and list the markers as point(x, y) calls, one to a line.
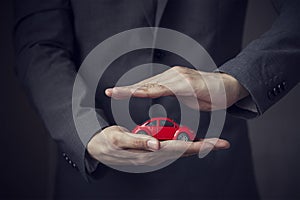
point(194, 88)
point(116, 146)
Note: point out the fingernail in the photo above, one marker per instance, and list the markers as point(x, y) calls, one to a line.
point(153, 144)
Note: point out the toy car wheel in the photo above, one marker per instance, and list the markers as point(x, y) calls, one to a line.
point(142, 133)
point(183, 137)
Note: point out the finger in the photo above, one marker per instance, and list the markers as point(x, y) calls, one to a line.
point(197, 147)
point(126, 91)
point(119, 92)
point(206, 147)
point(140, 142)
point(124, 154)
point(134, 157)
point(147, 90)
point(152, 87)
point(152, 90)
point(120, 161)
point(192, 148)
point(175, 146)
point(218, 143)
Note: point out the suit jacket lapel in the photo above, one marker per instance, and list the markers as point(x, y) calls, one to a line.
point(149, 8)
point(153, 10)
point(161, 5)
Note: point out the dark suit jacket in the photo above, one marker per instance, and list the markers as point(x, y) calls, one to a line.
point(53, 38)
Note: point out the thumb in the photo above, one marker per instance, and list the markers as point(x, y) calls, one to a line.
point(141, 142)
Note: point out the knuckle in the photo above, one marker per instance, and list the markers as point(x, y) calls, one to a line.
point(207, 107)
point(178, 68)
point(114, 140)
point(141, 87)
point(189, 78)
point(139, 144)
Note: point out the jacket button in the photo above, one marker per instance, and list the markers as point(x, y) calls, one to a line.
point(283, 85)
point(270, 95)
point(276, 91)
point(279, 87)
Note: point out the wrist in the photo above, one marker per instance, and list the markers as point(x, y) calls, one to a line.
point(234, 88)
point(91, 147)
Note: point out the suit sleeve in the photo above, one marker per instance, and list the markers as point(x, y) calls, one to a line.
point(269, 66)
point(44, 64)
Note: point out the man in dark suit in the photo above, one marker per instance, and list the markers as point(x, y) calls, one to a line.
point(54, 37)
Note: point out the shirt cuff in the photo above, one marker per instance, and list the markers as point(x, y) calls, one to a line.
point(247, 104)
point(91, 164)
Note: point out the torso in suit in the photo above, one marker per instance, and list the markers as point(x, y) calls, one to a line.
point(54, 37)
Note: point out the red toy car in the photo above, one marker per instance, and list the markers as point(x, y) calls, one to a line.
point(164, 129)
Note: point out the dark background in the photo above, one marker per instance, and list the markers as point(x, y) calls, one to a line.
point(28, 153)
